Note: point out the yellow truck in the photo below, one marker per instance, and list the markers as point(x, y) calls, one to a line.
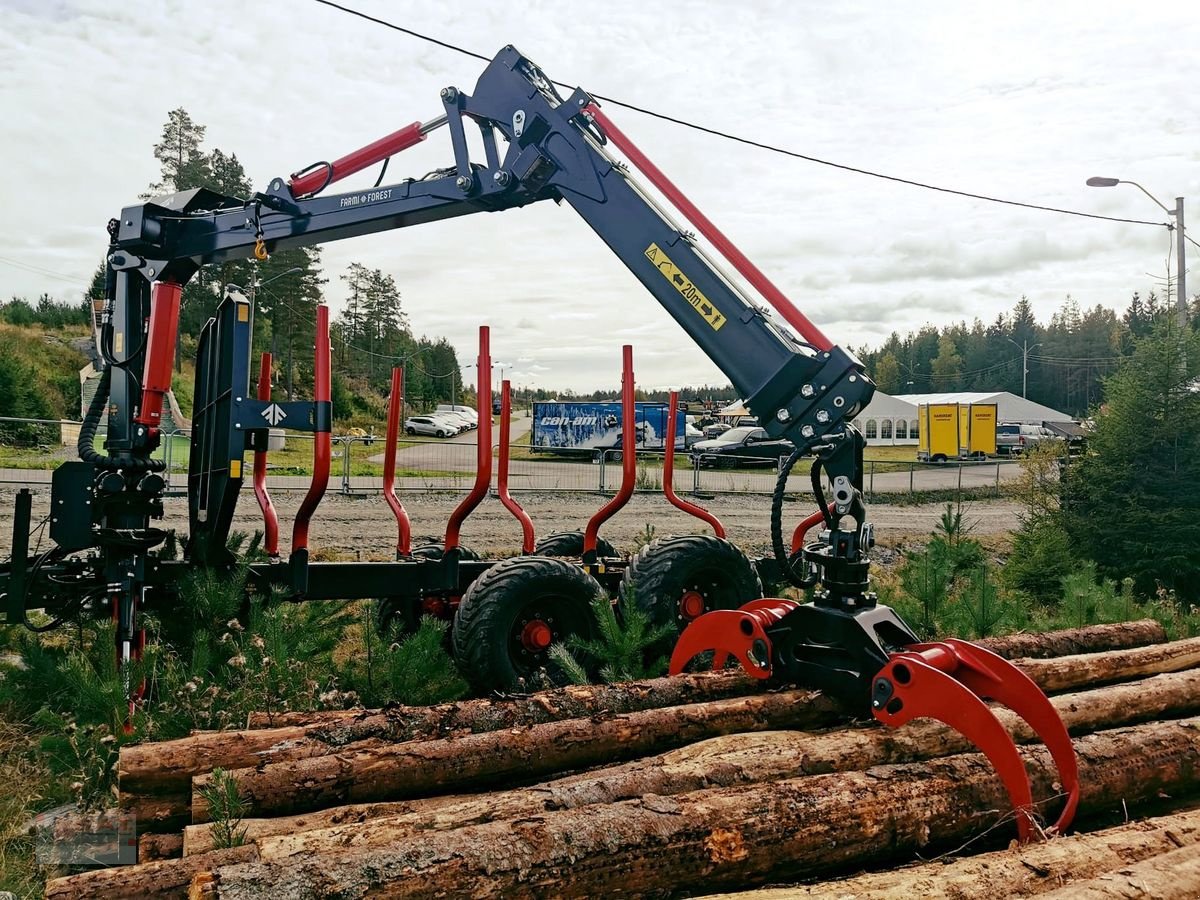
point(955, 431)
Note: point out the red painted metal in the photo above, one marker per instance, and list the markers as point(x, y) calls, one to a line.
point(724, 246)
point(483, 442)
point(527, 534)
point(270, 517)
point(669, 474)
point(628, 459)
point(356, 161)
point(691, 605)
point(806, 525)
point(160, 351)
point(322, 390)
point(740, 633)
point(395, 403)
point(536, 636)
point(988, 676)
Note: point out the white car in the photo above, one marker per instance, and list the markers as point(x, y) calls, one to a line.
point(463, 421)
point(468, 412)
point(437, 427)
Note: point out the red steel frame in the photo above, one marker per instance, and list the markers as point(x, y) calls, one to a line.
point(628, 459)
point(806, 525)
point(270, 517)
point(483, 442)
point(321, 439)
point(527, 533)
point(669, 473)
point(723, 244)
point(395, 403)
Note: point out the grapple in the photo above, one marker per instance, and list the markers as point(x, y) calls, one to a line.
point(864, 654)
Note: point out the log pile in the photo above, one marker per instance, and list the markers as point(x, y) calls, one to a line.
point(687, 785)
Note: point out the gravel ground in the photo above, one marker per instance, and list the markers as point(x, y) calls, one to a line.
point(363, 527)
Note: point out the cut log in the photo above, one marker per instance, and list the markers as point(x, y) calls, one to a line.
point(744, 759)
point(419, 768)
point(725, 837)
point(166, 878)
point(1026, 871)
point(478, 715)
point(1171, 876)
point(374, 773)
point(167, 767)
point(153, 847)
point(1069, 672)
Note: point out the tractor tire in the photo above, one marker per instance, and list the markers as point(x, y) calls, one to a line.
point(677, 579)
point(570, 544)
point(398, 617)
point(514, 613)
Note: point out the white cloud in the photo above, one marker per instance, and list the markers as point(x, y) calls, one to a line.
point(1019, 100)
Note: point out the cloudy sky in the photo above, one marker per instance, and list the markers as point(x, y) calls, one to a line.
point(1018, 100)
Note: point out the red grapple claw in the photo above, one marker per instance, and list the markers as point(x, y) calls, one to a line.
point(949, 681)
point(733, 632)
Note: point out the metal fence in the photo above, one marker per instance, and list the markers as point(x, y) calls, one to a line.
point(31, 448)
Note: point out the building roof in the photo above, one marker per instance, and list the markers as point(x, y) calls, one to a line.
point(1009, 407)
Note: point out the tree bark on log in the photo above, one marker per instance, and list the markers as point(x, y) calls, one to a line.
point(1171, 876)
point(419, 768)
point(153, 847)
point(375, 773)
point(725, 837)
point(744, 759)
point(166, 878)
point(1095, 669)
point(438, 721)
point(1028, 871)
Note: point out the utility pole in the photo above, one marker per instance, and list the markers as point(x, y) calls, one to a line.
point(1181, 297)
point(1024, 347)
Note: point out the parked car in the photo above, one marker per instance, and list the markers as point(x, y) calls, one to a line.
point(746, 445)
point(715, 429)
point(464, 422)
point(1013, 438)
point(430, 425)
point(467, 412)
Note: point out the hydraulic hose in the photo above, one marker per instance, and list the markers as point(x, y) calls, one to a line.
point(778, 547)
point(85, 447)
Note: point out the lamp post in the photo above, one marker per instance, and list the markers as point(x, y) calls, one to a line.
point(1181, 298)
point(1024, 347)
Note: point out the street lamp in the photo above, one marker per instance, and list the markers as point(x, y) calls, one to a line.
point(1181, 298)
point(1024, 347)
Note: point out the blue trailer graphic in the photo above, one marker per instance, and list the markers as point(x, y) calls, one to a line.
point(598, 426)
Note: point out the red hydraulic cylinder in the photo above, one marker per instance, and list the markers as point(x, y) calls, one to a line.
point(325, 175)
point(270, 517)
point(160, 351)
point(628, 459)
point(322, 390)
point(669, 471)
point(725, 247)
point(483, 442)
point(395, 402)
point(510, 504)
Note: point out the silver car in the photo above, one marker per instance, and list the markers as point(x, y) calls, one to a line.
point(430, 425)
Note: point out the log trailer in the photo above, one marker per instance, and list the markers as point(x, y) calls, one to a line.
point(105, 551)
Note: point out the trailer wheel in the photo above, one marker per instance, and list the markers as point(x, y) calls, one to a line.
point(514, 613)
point(570, 543)
point(677, 579)
point(396, 617)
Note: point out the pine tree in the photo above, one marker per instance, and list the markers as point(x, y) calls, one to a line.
point(184, 164)
point(887, 373)
point(946, 369)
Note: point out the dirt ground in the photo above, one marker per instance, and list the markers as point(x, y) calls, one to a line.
point(362, 526)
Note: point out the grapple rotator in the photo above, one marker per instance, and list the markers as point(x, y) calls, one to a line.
point(845, 643)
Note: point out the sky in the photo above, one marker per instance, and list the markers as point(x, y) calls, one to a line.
point(1018, 100)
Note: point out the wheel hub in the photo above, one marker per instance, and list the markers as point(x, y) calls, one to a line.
point(536, 636)
point(691, 605)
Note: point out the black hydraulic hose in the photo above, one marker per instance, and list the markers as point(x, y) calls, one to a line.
point(778, 547)
point(85, 447)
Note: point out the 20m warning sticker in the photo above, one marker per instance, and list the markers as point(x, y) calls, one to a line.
point(684, 285)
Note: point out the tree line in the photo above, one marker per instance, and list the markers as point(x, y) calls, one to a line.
point(1069, 357)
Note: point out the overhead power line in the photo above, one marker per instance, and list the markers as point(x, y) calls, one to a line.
point(750, 142)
